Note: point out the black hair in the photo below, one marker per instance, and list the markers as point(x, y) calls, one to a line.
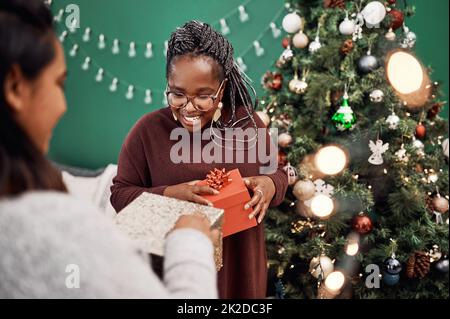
point(26, 41)
point(200, 39)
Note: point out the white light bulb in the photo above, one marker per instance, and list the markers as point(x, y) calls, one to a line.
point(115, 48)
point(99, 76)
point(87, 35)
point(166, 46)
point(59, 16)
point(101, 41)
point(275, 31)
point(242, 66)
point(130, 92)
point(86, 64)
point(335, 281)
point(149, 50)
point(113, 86)
point(132, 50)
point(63, 36)
point(224, 27)
point(330, 160)
point(73, 51)
point(74, 25)
point(243, 16)
point(322, 206)
point(259, 51)
point(148, 97)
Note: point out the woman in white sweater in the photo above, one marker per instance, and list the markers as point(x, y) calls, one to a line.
point(52, 245)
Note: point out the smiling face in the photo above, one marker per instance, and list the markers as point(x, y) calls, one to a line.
point(195, 76)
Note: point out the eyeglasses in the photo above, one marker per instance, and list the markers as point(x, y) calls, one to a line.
point(202, 103)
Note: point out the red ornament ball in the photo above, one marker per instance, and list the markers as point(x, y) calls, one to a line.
point(396, 18)
point(362, 224)
point(285, 42)
point(392, 1)
point(420, 130)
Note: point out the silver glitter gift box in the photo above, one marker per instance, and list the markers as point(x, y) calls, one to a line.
point(149, 218)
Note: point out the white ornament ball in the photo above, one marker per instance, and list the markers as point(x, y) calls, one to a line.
point(300, 40)
point(304, 190)
point(284, 139)
point(347, 27)
point(298, 86)
point(390, 35)
point(374, 12)
point(440, 204)
point(291, 174)
point(321, 267)
point(377, 96)
point(418, 144)
point(264, 117)
point(445, 147)
point(292, 22)
point(393, 120)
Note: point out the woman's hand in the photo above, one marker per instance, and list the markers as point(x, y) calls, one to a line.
point(263, 191)
point(197, 221)
point(190, 192)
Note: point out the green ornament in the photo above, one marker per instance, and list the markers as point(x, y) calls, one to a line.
point(344, 119)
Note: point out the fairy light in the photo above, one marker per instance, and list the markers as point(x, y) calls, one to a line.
point(352, 246)
point(335, 281)
point(330, 160)
point(322, 205)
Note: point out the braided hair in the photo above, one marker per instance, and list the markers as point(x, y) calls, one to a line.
point(200, 39)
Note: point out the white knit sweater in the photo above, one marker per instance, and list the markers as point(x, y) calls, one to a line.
point(45, 234)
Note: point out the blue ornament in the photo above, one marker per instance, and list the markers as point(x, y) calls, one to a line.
point(390, 279)
point(392, 266)
point(279, 290)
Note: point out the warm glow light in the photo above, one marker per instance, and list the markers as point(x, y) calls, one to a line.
point(352, 249)
point(404, 72)
point(409, 79)
point(330, 160)
point(322, 205)
point(335, 281)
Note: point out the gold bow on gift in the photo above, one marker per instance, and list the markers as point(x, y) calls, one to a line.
point(218, 178)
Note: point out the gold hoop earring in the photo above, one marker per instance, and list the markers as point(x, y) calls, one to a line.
point(174, 117)
point(218, 112)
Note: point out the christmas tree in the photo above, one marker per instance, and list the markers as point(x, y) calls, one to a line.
point(366, 154)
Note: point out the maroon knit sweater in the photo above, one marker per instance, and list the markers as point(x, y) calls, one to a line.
point(145, 165)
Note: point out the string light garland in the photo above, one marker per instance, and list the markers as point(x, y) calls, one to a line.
point(146, 49)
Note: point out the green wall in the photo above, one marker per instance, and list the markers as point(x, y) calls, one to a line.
point(91, 133)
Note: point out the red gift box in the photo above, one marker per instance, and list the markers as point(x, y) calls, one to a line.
point(232, 198)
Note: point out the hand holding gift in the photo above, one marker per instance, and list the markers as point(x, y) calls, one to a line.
point(263, 190)
point(232, 197)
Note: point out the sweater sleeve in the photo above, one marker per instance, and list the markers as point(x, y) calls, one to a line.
point(133, 175)
point(279, 177)
point(188, 262)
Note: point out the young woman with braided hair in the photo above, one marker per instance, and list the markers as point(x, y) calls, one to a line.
point(205, 89)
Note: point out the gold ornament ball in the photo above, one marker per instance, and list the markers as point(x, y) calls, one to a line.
point(284, 140)
point(304, 189)
point(440, 204)
point(300, 40)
